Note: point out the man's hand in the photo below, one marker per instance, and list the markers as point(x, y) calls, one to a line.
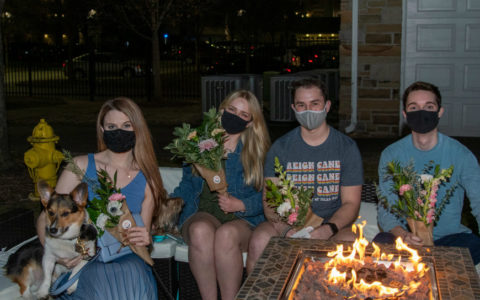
point(323, 232)
point(412, 239)
point(407, 237)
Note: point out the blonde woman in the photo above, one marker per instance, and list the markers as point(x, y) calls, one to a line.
point(217, 227)
point(125, 148)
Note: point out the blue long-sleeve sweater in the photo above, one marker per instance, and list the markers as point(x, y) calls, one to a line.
point(447, 152)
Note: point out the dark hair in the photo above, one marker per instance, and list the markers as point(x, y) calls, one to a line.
point(309, 83)
point(422, 86)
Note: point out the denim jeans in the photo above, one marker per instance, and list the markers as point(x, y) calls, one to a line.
point(464, 240)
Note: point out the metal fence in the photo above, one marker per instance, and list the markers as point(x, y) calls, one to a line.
point(181, 69)
point(179, 80)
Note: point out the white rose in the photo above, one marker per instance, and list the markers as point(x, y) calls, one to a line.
point(284, 208)
point(115, 208)
point(101, 221)
point(426, 177)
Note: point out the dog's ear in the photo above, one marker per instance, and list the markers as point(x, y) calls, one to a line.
point(80, 194)
point(45, 191)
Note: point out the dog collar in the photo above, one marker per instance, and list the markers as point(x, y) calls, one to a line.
point(82, 249)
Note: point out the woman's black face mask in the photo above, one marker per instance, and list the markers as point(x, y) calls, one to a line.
point(119, 140)
point(422, 121)
point(232, 123)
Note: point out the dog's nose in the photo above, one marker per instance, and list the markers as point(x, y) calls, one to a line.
point(53, 230)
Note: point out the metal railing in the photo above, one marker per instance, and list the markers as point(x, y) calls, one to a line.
point(180, 71)
point(179, 80)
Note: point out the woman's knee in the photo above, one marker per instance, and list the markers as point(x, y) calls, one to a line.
point(200, 233)
point(232, 235)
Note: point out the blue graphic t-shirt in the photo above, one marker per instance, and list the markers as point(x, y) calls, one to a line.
point(326, 167)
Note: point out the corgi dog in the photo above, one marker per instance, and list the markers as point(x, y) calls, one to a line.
point(67, 235)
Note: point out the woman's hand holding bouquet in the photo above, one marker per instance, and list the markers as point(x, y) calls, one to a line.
point(291, 204)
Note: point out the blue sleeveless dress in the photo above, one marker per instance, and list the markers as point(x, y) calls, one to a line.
point(127, 277)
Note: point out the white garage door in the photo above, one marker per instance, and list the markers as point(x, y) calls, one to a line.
point(441, 45)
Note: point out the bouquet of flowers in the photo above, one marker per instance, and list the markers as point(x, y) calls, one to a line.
point(290, 203)
point(109, 211)
point(417, 196)
point(106, 211)
point(203, 147)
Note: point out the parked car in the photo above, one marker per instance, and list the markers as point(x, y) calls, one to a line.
point(106, 64)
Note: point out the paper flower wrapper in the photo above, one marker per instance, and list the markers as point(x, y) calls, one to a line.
point(311, 220)
point(216, 180)
point(425, 232)
point(127, 221)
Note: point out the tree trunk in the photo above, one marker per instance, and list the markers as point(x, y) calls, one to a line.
point(5, 161)
point(157, 79)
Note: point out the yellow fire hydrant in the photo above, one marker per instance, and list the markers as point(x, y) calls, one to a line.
point(43, 160)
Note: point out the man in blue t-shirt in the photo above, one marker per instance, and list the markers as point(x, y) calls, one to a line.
point(317, 156)
point(422, 109)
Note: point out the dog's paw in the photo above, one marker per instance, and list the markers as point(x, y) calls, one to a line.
point(27, 295)
point(72, 288)
point(42, 291)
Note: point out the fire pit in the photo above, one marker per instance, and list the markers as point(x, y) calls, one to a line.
point(312, 278)
point(353, 274)
point(449, 271)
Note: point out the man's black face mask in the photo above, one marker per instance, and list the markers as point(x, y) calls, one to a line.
point(422, 121)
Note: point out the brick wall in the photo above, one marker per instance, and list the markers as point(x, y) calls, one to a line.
point(379, 56)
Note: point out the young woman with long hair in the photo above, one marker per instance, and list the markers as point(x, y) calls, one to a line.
point(125, 151)
point(217, 227)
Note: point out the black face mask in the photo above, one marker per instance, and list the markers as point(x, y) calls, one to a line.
point(232, 123)
point(422, 121)
point(119, 140)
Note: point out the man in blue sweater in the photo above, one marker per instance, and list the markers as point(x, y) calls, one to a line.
point(422, 109)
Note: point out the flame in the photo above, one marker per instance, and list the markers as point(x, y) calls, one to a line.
point(356, 259)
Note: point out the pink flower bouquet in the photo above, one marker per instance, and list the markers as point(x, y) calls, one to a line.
point(203, 147)
point(417, 196)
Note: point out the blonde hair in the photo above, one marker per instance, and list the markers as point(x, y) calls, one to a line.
point(143, 153)
point(255, 139)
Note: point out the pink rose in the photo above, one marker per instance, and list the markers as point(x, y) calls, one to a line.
point(292, 218)
point(430, 215)
point(208, 145)
point(116, 197)
point(404, 188)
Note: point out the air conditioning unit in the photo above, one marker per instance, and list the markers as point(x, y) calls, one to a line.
point(281, 92)
point(216, 88)
point(281, 98)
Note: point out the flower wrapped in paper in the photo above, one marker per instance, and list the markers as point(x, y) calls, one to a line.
point(417, 199)
point(290, 203)
point(203, 147)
